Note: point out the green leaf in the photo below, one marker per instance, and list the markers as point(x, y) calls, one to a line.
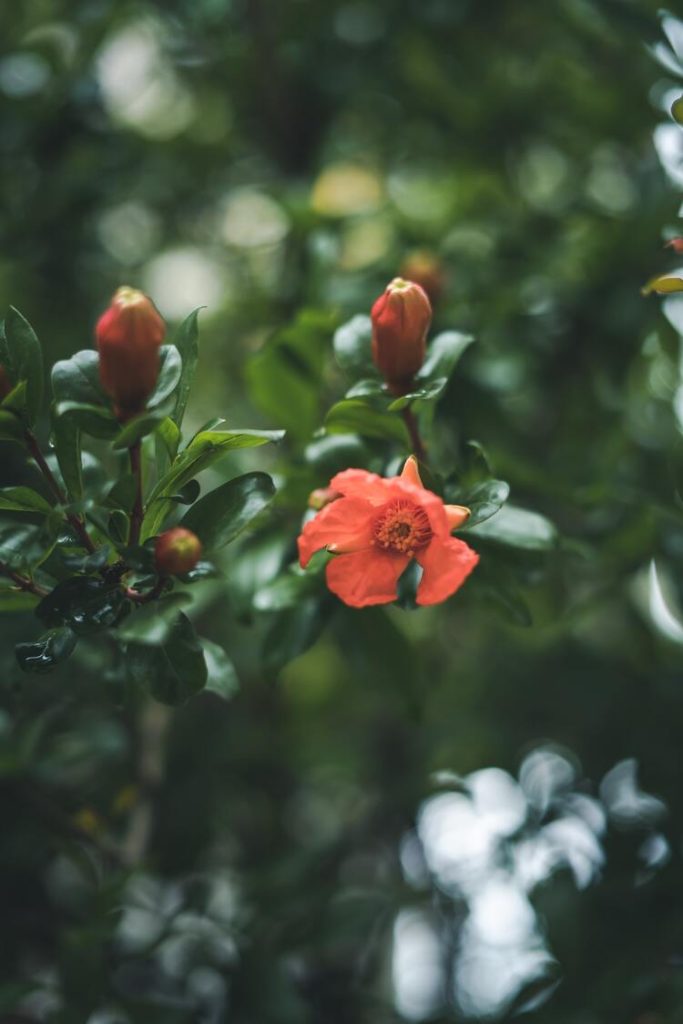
point(172, 670)
point(443, 355)
point(335, 452)
point(288, 590)
point(429, 393)
point(84, 603)
point(14, 600)
point(203, 450)
point(24, 546)
point(294, 631)
point(352, 344)
point(122, 494)
point(45, 654)
point(484, 500)
point(354, 416)
point(11, 427)
point(21, 354)
point(137, 428)
point(95, 420)
point(80, 560)
point(187, 342)
point(66, 437)
point(518, 528)
point(78, 379)
point(220, 516)
point(23, 499)
point(367, 388)
point(170, 369)
point(15, 401)
point(152, 623)
point(221, 675)
point(169, 434)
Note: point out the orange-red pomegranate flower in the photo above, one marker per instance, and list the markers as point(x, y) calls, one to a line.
point(374, 530)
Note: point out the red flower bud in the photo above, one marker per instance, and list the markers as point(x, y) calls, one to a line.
point(177, 551)
point(425, 268)
point(128, 336)
point(5, 383)
point(400, 320)
point(676, 244)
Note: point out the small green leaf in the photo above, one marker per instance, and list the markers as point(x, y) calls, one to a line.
point(170, 369)
point(428, 393)
point(484, 500)
point(518, 528)
point(355, 416)
point(367, 388)
point(443, 355)
point(66, 437)
point(352, 344)
point(221, 675)
point(21, 354)
point(95, 420)
point(45, 654)
point(220, 516)
point(187, 342)
point(23, 499)
point(172, 670)
point(169, 434)
point(137, 428)
point(78, 379)
point(15, 401)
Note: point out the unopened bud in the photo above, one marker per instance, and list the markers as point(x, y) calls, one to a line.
point(5, 383)
point(425, 268)
point(322, 496)
point(400, 320)
point(177, 551)
point(129, 335)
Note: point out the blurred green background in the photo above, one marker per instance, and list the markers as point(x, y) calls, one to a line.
point(455, 814)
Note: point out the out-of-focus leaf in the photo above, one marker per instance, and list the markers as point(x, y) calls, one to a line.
point(152, 623)
point(429, 393)
point(294, 630)
point(24, 546)
point(170, 370)
point(95, 420)
point(174, 669)
point(11, 427)
point(23, 499)
point(45, 654)
point(137, 428)
point(335, 452)
point(66, 437)
point(443, 355)
point(187, 342)
point(352, 345)
point(78, 379)
point(21, 354)
point(220, 516)
point(367, 388)
point(518, 528)
point(221, 675)
point(354, 416)
point(15, 600)
point(80, 560)
point(169, 435)
point(288, 590)
point(84, 603)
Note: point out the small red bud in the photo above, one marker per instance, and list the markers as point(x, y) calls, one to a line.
point(177, 551)
point(400, 320)
point(129, 334)
point(425, 268)
point(5, 383)
point(675, 243)
point(322, 496)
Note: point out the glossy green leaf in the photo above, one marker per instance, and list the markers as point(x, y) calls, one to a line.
point(518, 528)
point(429, 393)
point(221, 675)
point(221, 515)
point(355, 416)
point(187, 342)
point(78, 379)
point(66, 437)
point(172, 670)
point(84, 603)
point(203, 450)
point(352, 345)
point(23, 499)
point(95, 420)
point(484, 500)
point(443, 355)
point(45, 654)
point(170, 369)
point(137, 428)
point(169, 435)
point(21, 354)
point(24, 546)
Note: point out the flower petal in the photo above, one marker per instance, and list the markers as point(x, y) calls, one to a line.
point(366, 577)
point(456, 515)
point(345, 523)
point(447, 563)
point(359, 483)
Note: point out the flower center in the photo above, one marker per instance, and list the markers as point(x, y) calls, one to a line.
point(402, 526)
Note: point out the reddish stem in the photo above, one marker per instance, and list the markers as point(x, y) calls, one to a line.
point(57, 492)
point(418, 447)
point(138, 511)
point(22, 582)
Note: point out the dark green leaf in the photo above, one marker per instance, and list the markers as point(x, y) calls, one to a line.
point(11, 427)
point(220, 516)
point(169, 435)
point(174, 669)
point(14, 600)
point(45, 654)
point(221, 675)
point(80, 560)
point(24, 546)
point(335, 452)
point(66, 437)
point(519, 528)
point(137, 428)
point(21, 354)
point(352, 344)
point(288, 590)
point(187, 342)
point(85, 604)
point(188, 494)
point(78, 379)
point(170, 369)
point(354, 416)
point(442, 356)
point(484, 500)
point(23, 499)
point(429, 393)
point(95, 420)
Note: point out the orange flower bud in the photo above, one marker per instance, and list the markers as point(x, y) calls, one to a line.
point(400, 320)
point(128, 336)
point(177, 551)
point(5, 383)
point(424, 268)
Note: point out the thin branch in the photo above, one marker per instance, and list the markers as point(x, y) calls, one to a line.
point(75, 521)
point(22, 582)
point(417, 445)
